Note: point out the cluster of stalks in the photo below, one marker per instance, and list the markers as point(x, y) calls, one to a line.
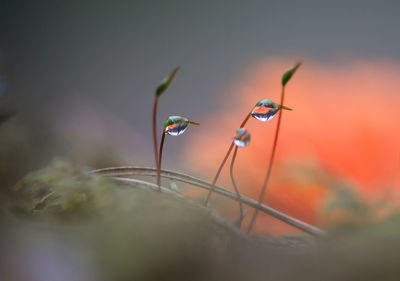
point(264, 110)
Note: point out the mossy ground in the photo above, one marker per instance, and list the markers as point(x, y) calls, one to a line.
point(92, 228)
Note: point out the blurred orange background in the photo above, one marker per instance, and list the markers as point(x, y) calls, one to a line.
point(344, 127)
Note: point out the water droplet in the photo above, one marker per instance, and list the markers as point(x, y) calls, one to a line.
point(265, 110)
point(174, 187)
point(176, 125)
point(242, 138)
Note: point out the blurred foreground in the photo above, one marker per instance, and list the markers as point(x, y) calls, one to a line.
point(62, 224)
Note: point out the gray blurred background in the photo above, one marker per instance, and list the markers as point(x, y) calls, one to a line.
point(82, 74)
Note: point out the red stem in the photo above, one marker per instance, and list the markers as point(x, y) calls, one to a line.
point(271, 161)
point(159, 161)
point(235, 186)
point(155, 130)
point(224, 161)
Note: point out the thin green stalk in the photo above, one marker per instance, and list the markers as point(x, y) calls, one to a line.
point(224, 161)
point(271, 162)
point(235, 186)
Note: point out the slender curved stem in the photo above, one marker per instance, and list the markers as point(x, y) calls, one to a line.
point(271, 162)
point(159, 161)
point(224, 161)
point(177, 176)
point(219, 172)
point(160, 89)
point(235, 186)
point(155, 130)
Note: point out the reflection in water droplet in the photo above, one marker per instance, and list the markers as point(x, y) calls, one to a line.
point(242, 138)
point(265, 110)
point(264, 113)
point(176, 129)
point(176, 125)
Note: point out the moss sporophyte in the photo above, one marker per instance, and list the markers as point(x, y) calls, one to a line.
point(264, 110)
point(159, 91)
point(285, 79)
point(174, 126)
point(241, 139)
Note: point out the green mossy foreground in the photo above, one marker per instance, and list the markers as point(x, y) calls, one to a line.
point(61, 223)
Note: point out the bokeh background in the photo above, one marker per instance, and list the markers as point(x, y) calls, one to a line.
point(80, 77)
